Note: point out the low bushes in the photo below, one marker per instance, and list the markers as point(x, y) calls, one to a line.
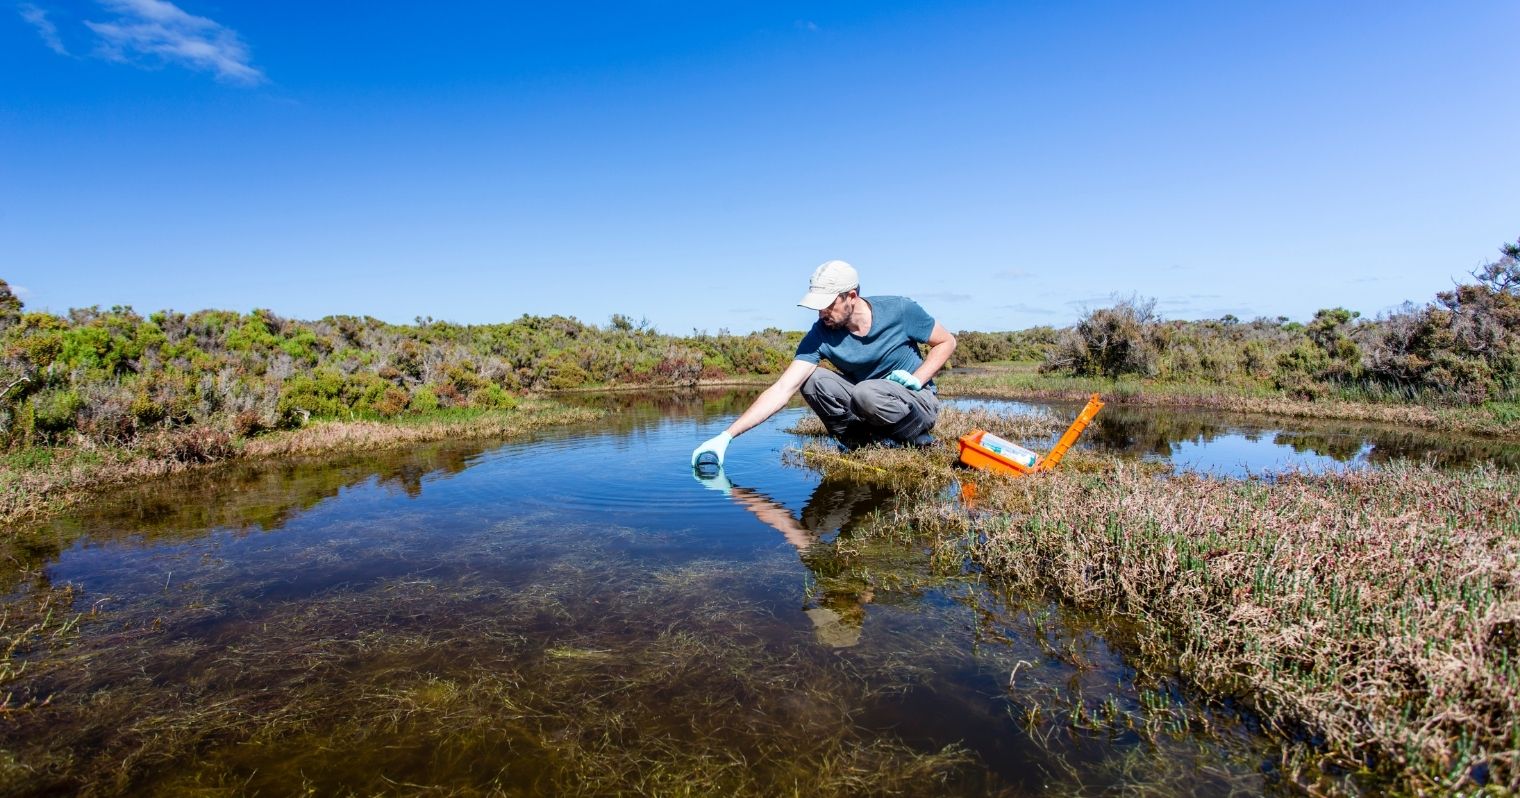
point(114, 378)
point(1461, 349)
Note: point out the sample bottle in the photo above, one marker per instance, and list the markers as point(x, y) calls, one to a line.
point(1008, 450)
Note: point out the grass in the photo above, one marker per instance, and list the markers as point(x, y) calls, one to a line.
point(36, 483)
point(1023, 381)
point(40, 618)
point(1370, 618)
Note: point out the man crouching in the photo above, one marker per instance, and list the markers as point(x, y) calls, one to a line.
point(884, 391)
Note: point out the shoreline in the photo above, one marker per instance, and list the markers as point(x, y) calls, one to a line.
point(33, 491)
point(38, 483)
point(1470, 421)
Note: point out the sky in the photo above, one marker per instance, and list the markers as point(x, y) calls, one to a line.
point(1007, 164)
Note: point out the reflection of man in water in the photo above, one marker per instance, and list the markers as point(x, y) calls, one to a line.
point(840, 609)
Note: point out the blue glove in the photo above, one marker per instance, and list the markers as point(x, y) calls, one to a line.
point(714, 481)
point(717, 445)
point(906, 379)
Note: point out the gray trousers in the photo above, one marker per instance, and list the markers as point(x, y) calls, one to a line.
point(870, 409)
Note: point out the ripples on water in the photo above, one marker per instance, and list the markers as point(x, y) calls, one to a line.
point(577, 614)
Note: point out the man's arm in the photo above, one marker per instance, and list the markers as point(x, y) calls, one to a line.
point(941, 346)
point(765, 405)
point(773, 398)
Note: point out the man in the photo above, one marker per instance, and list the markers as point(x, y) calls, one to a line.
point(884, 391)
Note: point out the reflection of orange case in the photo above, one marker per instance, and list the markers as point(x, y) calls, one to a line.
point(974, 455)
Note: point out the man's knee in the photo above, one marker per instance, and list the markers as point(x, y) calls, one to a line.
point(892, 407)
point(825, 383)
point(881, 401)
point(830, 397)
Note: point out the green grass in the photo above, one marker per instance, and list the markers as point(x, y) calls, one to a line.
point(1504, 412)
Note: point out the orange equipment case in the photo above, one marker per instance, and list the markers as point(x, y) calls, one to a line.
point(974, 455)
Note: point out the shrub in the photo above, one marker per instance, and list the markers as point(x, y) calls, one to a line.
point(248, 423)
point(424, 400)
point(55, 409)
point(10, 306)
point(493, 397)
point(1109, 342)
point(316, 394)
point(392, 403)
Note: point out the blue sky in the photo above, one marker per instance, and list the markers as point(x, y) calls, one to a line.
point(1007, 164)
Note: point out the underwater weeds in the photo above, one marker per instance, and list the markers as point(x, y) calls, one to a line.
point(1370, 618)
point(574, 680)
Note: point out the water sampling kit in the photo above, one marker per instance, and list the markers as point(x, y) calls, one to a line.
point(982, 449)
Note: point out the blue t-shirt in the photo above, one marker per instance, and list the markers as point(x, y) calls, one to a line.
point(898, 326)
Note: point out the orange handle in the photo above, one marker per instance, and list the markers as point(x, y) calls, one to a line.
point(1073, 432)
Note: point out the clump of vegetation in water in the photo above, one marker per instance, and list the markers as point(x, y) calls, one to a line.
point(1368, 617)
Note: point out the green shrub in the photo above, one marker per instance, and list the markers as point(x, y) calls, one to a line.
point(424, 400)
point(493, 397)
point(37, 340)
point(311, 395)
point(55, 409)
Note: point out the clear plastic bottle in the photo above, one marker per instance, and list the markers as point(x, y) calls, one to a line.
point(1008, 450)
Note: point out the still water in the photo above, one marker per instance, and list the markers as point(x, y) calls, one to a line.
point(577, 615)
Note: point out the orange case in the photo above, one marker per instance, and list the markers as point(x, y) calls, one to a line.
point(972, 453)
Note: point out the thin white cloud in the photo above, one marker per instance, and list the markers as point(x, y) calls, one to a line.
point(1021, 307)
point(1187, 301)
point(807, 25)
point(946, 297)
point(45, 27)
point(158, 30)
point(1105, 301)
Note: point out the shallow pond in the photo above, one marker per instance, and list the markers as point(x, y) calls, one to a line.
point(577, 614)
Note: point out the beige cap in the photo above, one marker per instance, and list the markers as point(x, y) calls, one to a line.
point(830, 279)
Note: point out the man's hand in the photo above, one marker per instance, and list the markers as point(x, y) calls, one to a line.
point(718, 445)
point(906, 379)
